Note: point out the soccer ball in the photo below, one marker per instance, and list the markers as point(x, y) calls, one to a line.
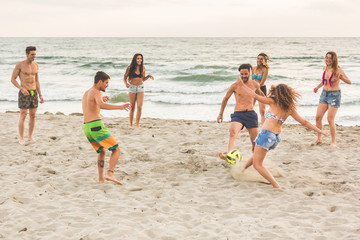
point(233, 157)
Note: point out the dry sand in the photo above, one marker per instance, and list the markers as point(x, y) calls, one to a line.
point(175, 186)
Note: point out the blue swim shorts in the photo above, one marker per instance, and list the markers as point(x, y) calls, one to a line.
point(136, 89)
point(248, 119)
point(267, 139)
point(331, 98)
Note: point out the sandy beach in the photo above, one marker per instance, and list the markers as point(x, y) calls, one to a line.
point(174, 184)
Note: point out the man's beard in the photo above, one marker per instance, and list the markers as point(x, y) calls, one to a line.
point(245, 79)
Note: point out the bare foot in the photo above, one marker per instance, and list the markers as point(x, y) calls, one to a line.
point(333, 145)
point(317, 142)
point(102, 180)
point(222, 156)
point(32, 140)
point(110, 177)
point(22, 142)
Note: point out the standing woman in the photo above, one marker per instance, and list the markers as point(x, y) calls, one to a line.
point(134, 79)
point(331, 95)
point(260, 74)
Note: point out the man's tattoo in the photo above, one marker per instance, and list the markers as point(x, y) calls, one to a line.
point(101, 163)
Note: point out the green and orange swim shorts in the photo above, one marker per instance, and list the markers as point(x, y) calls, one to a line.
point(99, 136)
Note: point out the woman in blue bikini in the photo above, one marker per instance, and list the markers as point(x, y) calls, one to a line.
point(282, 100)
point(134, 78)
point(260, 74)
point(331, 95)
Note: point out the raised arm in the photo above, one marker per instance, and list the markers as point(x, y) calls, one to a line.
point(307, 124)
point(100, 102)
point(261, 98)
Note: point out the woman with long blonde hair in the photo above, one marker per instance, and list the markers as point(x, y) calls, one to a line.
point(282, 100)
point(330, 97)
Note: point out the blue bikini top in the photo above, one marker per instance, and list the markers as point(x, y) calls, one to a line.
point(136, 75)
point(258, 77)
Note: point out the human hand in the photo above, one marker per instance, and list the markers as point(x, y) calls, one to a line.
point(105, 98)
point(127, 85)
point(219, 118)
point(125, 107)
point(315, 90)
point(150, 76)
point(340, 75)
point(24, 91)
point(41, 99)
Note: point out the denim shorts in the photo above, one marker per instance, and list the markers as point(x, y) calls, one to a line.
point(136, 89)
point(331, 98)
point(267, 139)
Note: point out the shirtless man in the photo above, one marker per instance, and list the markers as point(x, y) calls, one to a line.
point(94, 129)
point(29, 87)
point(244, 114)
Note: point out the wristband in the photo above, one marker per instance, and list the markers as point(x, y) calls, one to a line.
point(220, 114)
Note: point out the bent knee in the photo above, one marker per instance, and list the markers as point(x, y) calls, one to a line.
point(257, 166)
point(232, 132)
point(117, 149)
point(331, 120)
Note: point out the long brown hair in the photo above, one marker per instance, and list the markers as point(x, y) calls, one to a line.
point(284, 96)
point(334, 64)
point(133, 65)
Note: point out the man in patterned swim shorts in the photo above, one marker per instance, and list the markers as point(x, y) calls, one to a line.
point(29, 93)
point(94, 129)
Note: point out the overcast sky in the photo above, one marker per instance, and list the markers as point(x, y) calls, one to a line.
point(180, 18)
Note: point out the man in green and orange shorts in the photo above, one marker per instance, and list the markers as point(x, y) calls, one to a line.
point(94, 129)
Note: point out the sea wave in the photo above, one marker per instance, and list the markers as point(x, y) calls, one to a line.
point(203, 78)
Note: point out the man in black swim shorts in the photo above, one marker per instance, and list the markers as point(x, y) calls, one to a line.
point(244, 114)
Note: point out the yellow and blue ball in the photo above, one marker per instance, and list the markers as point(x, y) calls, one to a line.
point(233, 157)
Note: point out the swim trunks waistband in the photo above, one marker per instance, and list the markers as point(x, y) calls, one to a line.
point(92, 121)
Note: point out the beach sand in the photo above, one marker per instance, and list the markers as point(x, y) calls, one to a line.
point(175, 186)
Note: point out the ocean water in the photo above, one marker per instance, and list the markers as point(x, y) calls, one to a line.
point(192, 75)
